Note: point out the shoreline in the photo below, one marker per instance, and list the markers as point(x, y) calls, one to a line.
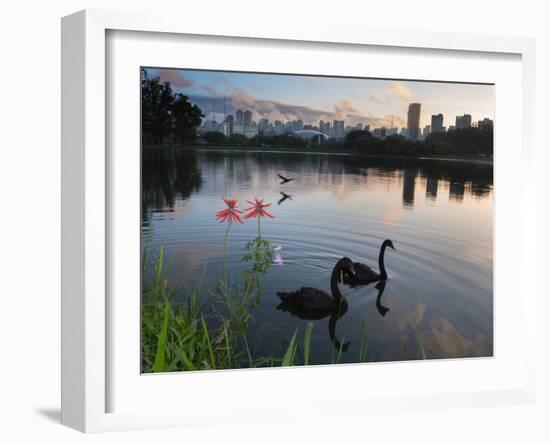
point(258, 149)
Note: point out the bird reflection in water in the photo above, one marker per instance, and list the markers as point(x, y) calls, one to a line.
point(381, 309)
point(284, 197)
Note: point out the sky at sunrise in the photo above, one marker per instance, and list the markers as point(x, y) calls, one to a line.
point(312, 98)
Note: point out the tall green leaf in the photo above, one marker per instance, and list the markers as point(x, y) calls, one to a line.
point(288, 358)
point(307, 342)
point(160, 362)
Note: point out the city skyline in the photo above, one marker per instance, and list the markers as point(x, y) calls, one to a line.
point(374, 102)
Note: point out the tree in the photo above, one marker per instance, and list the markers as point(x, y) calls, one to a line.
point(165, 115)
point(214, 138)
point(156, 119)
point(187, 117)
point(364, 141)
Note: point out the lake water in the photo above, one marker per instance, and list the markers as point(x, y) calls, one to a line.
point(438, 213)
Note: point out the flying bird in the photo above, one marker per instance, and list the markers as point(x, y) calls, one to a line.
point(284, 179)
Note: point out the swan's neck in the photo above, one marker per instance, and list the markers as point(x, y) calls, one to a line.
point(381, 266)
point(334, 284)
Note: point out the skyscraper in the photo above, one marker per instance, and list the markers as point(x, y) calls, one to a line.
point(247, 117)
point(239, 116)
point(486, 123)
point(263, 125)
point(413, 121)
point(338, 129)
point(426, 131)
point(463, 122)
point(437, 123)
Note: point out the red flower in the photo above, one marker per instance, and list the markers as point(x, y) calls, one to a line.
point(231, 213)
point(257, 208)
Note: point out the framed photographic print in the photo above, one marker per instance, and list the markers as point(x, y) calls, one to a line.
point(238, 204)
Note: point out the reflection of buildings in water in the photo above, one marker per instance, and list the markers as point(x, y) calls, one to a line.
point(456, 190)
point(480, 189)
point(409, 181)
point(172, 175)
point(431, 187)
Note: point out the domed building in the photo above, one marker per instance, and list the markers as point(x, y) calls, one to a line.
point(312, 136)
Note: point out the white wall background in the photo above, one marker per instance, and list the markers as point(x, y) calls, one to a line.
point(30, 214)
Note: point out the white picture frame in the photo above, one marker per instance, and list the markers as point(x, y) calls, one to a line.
point(86, 314)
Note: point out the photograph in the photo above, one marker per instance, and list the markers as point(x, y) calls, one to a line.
point(297, 219)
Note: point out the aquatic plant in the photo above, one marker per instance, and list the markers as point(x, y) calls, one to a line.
point(259, 250)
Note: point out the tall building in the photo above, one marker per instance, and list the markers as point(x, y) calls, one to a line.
point(485, 123)
point(426, 131)
point(413, 121)
point(227, 126)
point(247, 117)
point(380, 132)
point(324, 127)
point(437, 123)
point(338, 129)
point(463, 122)
point(239, 117)
point(263, 125)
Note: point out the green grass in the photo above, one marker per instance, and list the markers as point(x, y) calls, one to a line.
point(188, 336)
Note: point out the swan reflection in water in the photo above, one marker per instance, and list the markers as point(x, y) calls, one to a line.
point(313, 304)
point(381, 309)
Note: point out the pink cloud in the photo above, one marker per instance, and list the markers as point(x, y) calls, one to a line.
point(175, 78)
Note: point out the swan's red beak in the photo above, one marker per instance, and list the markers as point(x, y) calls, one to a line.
point(352, 269)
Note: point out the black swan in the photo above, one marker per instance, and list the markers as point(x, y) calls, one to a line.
point(364, 274)
point(284, 197)
point(313, 304)
point(284, 179)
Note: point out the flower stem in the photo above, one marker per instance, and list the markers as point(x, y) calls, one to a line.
point(259, 232)
point(225, 256)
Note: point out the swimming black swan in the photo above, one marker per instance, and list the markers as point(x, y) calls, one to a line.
point(313, 304)
point(364, 274)
point(284, 179)
point(381, 309)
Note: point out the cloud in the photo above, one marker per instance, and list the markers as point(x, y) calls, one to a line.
point(175, 78)
point(276, 110)
point(345, 107)
point(210, 88)
point(394, 93)
point(401, 91)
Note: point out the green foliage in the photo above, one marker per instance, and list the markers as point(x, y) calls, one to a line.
point(166, 117)
point(259, 252)
point(470, 141)
point(286, 140)
point(288, 358)
point(460, 142)
point(215, 138)
point(307, 342)
point(159, 364)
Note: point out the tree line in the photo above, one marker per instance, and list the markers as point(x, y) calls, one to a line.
point(167, 117)
point(472, 141)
